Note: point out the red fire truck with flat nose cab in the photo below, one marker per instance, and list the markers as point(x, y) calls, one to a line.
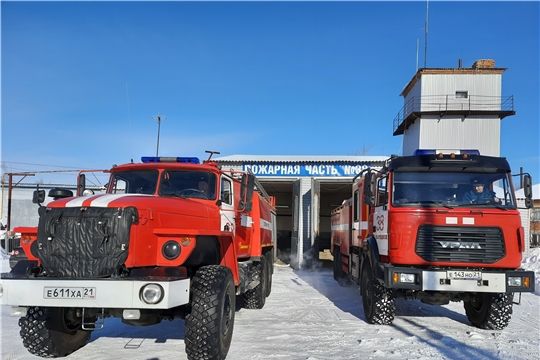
point(437, 227)
point(170, 238)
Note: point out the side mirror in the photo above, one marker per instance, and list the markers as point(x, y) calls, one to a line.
point(249, 193)
point(38, 197)
point(81, 184)
point(369, 188)
point(243, 190)
point(527, 190)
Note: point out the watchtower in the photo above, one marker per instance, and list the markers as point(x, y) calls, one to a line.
point(454, 108)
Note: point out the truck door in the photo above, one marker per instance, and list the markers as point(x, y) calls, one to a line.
point(380, 216)
point(358, 225)
point(315, 214)
point(296, 206)
point(226, 196)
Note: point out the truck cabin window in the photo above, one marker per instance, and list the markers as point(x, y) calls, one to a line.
point(428, 189)
point(226, 191)
point(188, 184)
point(134, 182)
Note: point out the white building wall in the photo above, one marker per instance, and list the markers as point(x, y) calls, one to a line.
point(23, 211)
point(438, 90)
point(305, 221)
point(448, 84)
point(525, 215)
point(411, 141)
point(415, 93)
point(454, 132)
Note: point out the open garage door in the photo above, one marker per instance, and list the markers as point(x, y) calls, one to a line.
point(295, 233)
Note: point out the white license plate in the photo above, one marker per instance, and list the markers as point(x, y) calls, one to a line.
point(69, 293)
point(464, 275)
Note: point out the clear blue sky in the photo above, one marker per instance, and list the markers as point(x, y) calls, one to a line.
point(81, 81)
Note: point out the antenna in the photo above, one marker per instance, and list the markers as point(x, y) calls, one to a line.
point(426, 41)
point(158, 118)
point(211, 153)
point(129, 120)
point(417, 43)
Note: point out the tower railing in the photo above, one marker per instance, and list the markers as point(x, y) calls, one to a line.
point(442, 105)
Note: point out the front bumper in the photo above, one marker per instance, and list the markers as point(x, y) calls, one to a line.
point(107, 293)
point(437, 280)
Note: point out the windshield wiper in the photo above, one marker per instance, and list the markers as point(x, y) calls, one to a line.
point(431, 202)
point(483, 205)
point(176, 195)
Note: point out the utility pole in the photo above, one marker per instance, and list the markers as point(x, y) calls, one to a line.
point(158, 118)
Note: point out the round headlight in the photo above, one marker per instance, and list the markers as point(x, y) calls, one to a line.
point(88, 192)
point(171, 250)
point(152, 293)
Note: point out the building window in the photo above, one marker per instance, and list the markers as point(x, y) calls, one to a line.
point(535, 214)
point(462, 94)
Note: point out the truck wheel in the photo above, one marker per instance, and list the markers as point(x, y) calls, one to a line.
point(256, 297)
point(270, 263)
point(491, 311)
point(52, 332)
point(339, 275)
point(209, 325)
point(379, 302)
point(337, 264)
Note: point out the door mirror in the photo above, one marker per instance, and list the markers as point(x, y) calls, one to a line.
point(38, 197)
point(527, 190)
point(81, 186)
point(369, 188)
point(249, 192)
point(243, 190)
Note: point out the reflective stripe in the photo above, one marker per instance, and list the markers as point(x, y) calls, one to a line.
point(98, 200)
point(340, 227)
point(266, 225)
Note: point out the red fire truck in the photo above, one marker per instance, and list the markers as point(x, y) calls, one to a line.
point(437, 227)
point(170, 238)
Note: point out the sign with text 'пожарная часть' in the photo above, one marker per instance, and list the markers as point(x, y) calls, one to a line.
point(276, 169)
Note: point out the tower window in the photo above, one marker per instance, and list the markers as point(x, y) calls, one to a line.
point(462, 94)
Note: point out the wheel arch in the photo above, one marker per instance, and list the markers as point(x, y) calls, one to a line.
point(370, 254)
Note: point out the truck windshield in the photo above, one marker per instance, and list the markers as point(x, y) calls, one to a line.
point(188, 184)
point(134, 182)
point(453, 189)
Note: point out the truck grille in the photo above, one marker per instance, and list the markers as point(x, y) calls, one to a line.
point(460, 244)
point(81, 242)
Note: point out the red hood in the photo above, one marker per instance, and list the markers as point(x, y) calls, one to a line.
point(140, 201)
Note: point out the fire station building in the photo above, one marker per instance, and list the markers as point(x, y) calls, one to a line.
point(307, 189)
point(464, 102)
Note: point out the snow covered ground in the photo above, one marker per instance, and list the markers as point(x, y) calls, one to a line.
point(309, 316)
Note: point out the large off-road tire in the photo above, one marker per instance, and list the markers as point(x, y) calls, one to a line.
point(210, 323)
point(379, 302)
point(52, 332)
point(339, 275)
point(270, 263)
point(337, 263)
point(491, 311)
point(255, 298)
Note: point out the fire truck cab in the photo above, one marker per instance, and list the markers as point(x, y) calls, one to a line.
point(437, 227)
point(169, 238)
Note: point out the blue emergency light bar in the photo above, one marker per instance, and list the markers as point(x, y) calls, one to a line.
point(445, 152)
point(156, 159)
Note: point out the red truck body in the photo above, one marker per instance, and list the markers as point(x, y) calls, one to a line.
point(409, 232)
point(153, 247)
